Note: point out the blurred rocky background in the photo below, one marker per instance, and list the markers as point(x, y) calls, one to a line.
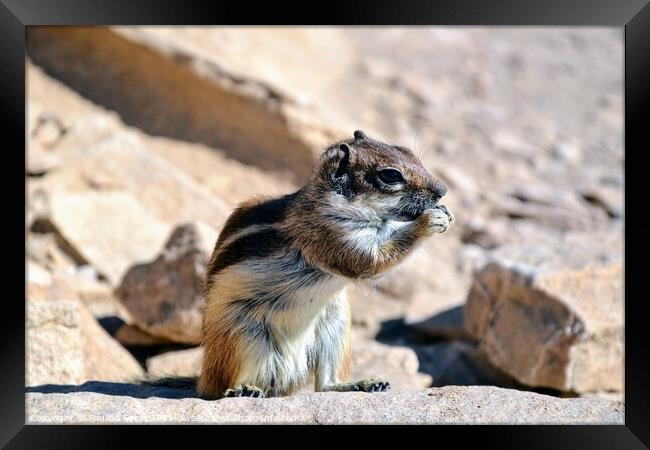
point(141, 140)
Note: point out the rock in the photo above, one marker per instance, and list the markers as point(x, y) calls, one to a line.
point(370, 307)
point(44, 250)
point(39, 282)
point(48, 130)
point(98, 298)
point(547, 215)
point(470, 257)
point(181, 363)
point(142, 164)
point(54, 350)
point(549, 206)
point(398, 365)
point(477, 231)
point(66, 345)
point(448, 324)
point(567, 152)
point(457, 178)
point(429, 281)
point(109, 230)
point(130, 335)
point(423, 307)
point(37, 274)
point(100, 172)
point(112, 403)
point(460, 363)
point(235, 182)
point(73, 283)
point(553, 316)
point(608, 198)
point(217, 106)
point(45, 131)
point(104, 358)
point(510, 143)
point(616, 396)
point(88, 286)
point(164, 296)
point(545, 195)
point(101, 155)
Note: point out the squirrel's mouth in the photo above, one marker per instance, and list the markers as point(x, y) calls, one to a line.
point(405, 215)
point(411, 207)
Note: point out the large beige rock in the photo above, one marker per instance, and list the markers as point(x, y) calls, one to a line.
point(101, 155)
point(553, 317)
point(267, 54)
point(164, 297)
point(255, 121)
point(102, 162)
point(66, 345)
point(54, 350)
point(145, 171)
point(109, 230)
point(124, 403)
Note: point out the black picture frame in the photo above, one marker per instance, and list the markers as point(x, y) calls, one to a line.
point(632, 15)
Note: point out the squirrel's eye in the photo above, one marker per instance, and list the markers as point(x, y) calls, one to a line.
point(390, 176)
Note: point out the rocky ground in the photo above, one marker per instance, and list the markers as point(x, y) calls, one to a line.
point(142, 140)
point(105, 403)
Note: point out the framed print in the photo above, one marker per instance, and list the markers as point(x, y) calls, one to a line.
point(368, 214)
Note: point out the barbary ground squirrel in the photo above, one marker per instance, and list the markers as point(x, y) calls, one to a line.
point(276, 313)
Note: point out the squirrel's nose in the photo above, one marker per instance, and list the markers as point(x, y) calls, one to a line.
point(439, 189)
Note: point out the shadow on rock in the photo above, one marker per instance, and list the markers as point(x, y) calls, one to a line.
point(182, 388)
point(113, 325)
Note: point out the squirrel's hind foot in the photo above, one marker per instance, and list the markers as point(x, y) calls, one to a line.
point(367, 385)
point(246, 390)
point(373, 385)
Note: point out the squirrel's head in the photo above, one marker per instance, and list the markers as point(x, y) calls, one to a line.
point(388, 179)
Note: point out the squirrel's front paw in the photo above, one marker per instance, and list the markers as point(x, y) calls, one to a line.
point(439, 219)
point(246, 390)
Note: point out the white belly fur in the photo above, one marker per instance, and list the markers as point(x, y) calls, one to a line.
point(294, 332)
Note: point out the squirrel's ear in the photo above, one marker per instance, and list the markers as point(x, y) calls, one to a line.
point(337, 159)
